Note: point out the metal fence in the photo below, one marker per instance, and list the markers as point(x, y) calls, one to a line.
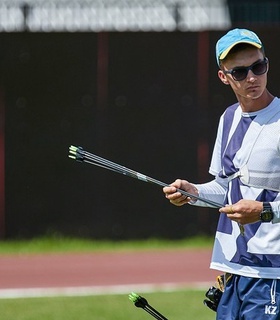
point(135, 15)
point(257, 13)
point(113, 15)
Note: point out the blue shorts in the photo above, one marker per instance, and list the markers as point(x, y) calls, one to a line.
point(250, 299)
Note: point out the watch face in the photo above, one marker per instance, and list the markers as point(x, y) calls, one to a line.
point(266, 216)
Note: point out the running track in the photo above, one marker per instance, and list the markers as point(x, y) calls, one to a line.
point(103, 273)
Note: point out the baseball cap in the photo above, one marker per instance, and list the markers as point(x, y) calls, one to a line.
point(232, 38)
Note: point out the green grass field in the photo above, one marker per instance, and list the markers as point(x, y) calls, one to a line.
point(178, 305)
point(56, 243)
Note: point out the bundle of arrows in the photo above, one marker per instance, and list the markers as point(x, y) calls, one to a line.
point(79, 154)
point(141, 302)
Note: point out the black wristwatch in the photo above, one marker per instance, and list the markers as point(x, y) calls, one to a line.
point(267, 214)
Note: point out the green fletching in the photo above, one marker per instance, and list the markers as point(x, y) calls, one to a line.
point(72, 151)
point(76, 153)
point(73, 148)
point(134, 297)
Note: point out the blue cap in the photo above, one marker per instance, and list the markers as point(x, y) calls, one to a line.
point(232, 38)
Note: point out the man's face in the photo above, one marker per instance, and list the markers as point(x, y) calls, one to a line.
point(253, 86)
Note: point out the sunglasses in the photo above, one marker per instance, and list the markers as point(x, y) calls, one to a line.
point(240, 73)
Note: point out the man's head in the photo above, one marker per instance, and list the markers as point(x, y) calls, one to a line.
point(233, 38)
point(242, 64)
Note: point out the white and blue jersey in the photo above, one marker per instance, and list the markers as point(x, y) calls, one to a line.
point(246, 165)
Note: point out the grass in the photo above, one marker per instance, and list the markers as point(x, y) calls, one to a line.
point(179, 305)
point(60, 244)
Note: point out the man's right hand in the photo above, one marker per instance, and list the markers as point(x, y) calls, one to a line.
point(175, 197)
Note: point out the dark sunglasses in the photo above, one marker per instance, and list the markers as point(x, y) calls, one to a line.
point(240, 73)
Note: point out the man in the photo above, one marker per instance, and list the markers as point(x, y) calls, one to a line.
point(246, 167)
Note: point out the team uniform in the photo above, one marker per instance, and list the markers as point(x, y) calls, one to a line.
point(246, 165)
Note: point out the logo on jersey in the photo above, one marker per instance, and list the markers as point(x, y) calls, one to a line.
point(270, 310)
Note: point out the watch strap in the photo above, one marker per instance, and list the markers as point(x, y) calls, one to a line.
point(267, 214)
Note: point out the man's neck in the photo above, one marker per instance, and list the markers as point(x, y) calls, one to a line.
point(253, 105)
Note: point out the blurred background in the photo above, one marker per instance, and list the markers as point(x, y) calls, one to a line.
point(132, 81)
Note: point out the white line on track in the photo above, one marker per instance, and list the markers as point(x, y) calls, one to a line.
point(98, 290)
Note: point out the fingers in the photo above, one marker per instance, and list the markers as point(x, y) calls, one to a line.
point(179, 200)
point(228, 209)
point(174, 196)
point(172, 188)
point(234, 215)
point(231, 211)
point(243, 211)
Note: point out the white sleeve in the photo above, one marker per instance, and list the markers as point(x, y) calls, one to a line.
point(276, 210)
point(216, 166)
point(214, 190)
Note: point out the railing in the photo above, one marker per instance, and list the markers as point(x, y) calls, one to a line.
point(257, 13)
point(113, 15)
point(135, 15)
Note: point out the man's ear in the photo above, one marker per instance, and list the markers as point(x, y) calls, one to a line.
point(267, 65)
point(223, 77)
